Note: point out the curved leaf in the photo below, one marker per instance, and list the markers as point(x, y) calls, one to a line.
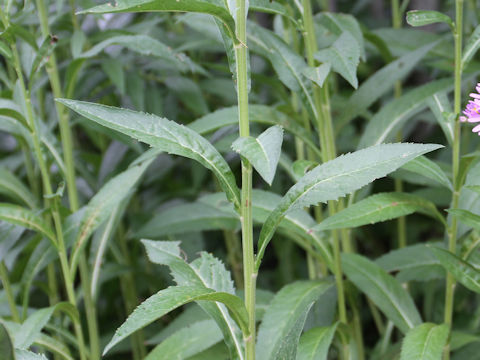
point(429, 169)
point(315, 343)
point(383, 289)
point(283, 321)
point(377, 208)
point(427, 17)
point(211, 7)
point(471, 47)
point(6, 345)
point(338, 178)
point(425, 342)
point(11, 186)
point(164, 135)
point(171, 298)
point(466, 217)
point(262, 152)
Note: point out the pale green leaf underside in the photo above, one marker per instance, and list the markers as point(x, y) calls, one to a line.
point(343, 56)
point(383, 289)
point(162, 134)
point(263, 152)
point(425, 342)
point(377, 208)
point(315, 343)
point(283, 321)
point(338, 178)
point(426, 167)
point(465, 273)
point(171, 298)
point(211, 7)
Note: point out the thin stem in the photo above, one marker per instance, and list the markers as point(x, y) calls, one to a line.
point(249, 274)
point(452, 232)
point(9, 292)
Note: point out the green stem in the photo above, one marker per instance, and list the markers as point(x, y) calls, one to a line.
point(9, 292)
point(249, 273)
point(452, 232)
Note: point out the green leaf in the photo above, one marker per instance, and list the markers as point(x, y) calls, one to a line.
point(471, 47)
point(164, 135)
point(42, 56)
point(18, 215)
point(6, 346)
point(28, 355)
point(13, 187)
point(462, 271)
point(377, 208)
point(466, 217)
point(425, 342)
point(104, 202)
point(314, 344)
point(380, 83)
point(171, 298)
point(212, 7)
point(256, 113)
point(188, 341)
point(283, 321)
point(204, 272)
point(429, 169)
point(343, 56)
point(318, 74)
point(441, 108)
point(427, 17)
point(385, 124)
point(185, 218)
point(383, 289)
point(262, 152)
point(338, 178)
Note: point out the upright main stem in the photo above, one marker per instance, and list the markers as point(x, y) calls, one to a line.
point(452, 232)
point(327, 141)
point(249, 273)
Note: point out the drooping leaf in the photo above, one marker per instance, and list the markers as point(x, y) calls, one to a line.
point(441, 108)
point(283, 321)
point(212, 7)
point(204, 272)
point(466, 217)
point(471, 47)
point(187, 342)
point(171, 298)
point(162, 134)
point(318, 74)
point(315, 343)
point(460, 269)
point(385, 124)
point(383, 289)
point(262, 152)
point(427, 17)
point(429, 169)
point(18, 215)
point(338, 178)
point(13, 187)
point(380, 83)
point(343, 56)
point(6, 345)
point(425, 342)
point(377, 208)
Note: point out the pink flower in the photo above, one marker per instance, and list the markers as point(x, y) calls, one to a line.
point(472, 110)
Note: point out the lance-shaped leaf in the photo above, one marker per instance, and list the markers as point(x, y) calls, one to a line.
point(171, 298)
point(318, 74)
point(471, 47)
point(18, 215)
point(377, 208)
point(465, 273)
point(212, 7)
point(425, 342)
point(6, 345)
point(164, 135)
point(385, 124)
point(283, 321)
point(338, 178)
point(427, 17)
point(13, 187)
point(343, 56)
point(442, 110)
point(429, 169)
point(263, 152)
point(383, 289)
point(204, 272)
point(466, 217)
point(100, 207)
point(314, 343)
